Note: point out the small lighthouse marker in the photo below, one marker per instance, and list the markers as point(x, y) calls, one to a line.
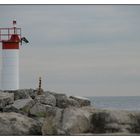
point(10, 39)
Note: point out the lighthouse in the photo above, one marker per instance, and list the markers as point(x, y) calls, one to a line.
point(11, 40)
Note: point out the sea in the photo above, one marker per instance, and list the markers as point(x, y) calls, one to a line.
point(117, 102)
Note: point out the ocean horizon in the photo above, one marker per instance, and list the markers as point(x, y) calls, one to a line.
point(131, 103)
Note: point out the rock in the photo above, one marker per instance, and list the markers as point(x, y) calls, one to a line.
point(115, 121)
point(135, 117)
point(22, 93)
point(40, 110)
point(10, 108)
point(32, 93)
point(68, 121)
point(6, 99)
point(52, 123)
point(24, 104)
point(75, 121)
point(17, 124)
point(72, 102)
point(46, 99)
point(81, 100)
point(40, 120)
point(62, 101)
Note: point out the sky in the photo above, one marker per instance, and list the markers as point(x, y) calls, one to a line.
point(85, 50)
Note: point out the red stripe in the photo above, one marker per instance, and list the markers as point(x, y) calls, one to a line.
point(10, 45)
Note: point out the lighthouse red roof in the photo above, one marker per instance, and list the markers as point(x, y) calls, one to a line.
point(14, 38)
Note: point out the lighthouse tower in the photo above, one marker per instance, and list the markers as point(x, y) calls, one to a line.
point(10, 39)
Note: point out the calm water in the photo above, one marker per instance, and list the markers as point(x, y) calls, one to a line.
point(118, 102)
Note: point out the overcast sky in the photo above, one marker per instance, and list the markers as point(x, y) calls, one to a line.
point(87, 50)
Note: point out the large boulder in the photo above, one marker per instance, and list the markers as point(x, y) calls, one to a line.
point(52, 123)
point(6, 99)
point(17, 124)
point(75, 121)
point(46, 98)
point(81, 100)
point(68, 121)
point(115, 121)
point(23, 104)
point(40, 110)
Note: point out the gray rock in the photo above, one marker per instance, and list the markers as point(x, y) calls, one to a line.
point(32, 93)
point(40, 120)
point(17, 124)
point(62, 101)
point(6, 99)
point(22, 93)
point(10, 108)
point(68, 121)
point(46, 99)
point(24, 104)
point(115, 121)
point(72, 102)
point(40, 110)
point(75, 121)
point(52, 123)
point(81, 100)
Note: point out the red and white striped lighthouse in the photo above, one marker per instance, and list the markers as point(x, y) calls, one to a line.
point(10, 39)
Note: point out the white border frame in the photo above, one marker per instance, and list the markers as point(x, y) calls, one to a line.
point(70, 2)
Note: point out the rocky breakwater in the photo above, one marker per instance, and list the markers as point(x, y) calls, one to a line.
point(24, 112)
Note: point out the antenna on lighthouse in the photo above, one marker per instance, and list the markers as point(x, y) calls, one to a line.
point(14, 26)
point(10, 39)
point(14, 23)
